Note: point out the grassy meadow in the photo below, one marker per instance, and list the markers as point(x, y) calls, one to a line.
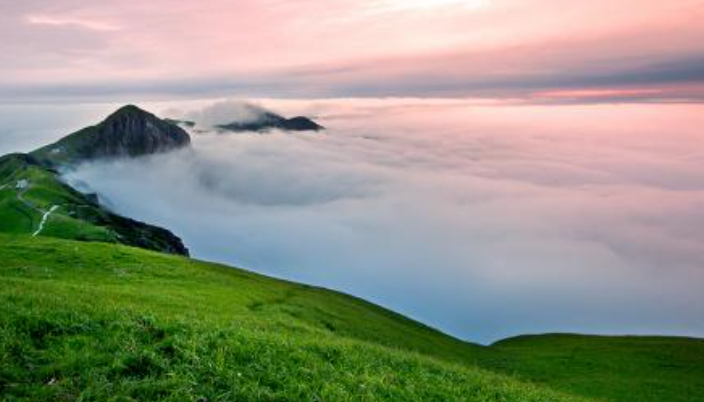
point(94, 321)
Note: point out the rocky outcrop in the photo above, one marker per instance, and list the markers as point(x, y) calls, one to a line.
point(268, 121)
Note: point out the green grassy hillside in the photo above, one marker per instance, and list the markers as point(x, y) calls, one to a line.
point(91, 321)
point(615, 368)
point(95, 321)
point(34, 201)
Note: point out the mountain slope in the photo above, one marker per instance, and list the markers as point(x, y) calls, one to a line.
point(128, 132)
point(34, 201)
point(106, 322)
point(93, 321)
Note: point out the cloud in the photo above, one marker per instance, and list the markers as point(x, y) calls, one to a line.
point(483, 220)
point(298, 49)
point(71, 22)
point(223, 112)
point(391, 6)
point(584, 74)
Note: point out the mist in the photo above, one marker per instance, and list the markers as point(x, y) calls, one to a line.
point(483, 220)
point(221, 112)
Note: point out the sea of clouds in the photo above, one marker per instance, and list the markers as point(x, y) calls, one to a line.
point(484, 220)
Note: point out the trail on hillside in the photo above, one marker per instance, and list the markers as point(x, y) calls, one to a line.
point(44, 219)
point(45, 213)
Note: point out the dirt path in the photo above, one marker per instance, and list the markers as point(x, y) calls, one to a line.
point(44, 219)
point(45, 214)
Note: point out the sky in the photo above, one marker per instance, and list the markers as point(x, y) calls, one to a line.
point(541, 50)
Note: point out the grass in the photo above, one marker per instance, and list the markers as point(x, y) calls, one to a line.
point(93, 321)
point(21, 210)
point(615, 368)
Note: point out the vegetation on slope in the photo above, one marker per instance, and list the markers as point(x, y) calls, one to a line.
point(91, 321)
point(614, 368)
point(33, 200)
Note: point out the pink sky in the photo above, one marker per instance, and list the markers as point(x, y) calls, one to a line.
point(506, 48)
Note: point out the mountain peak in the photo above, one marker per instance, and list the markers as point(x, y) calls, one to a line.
point(133, 113)
point(127, 132)
point(129, 110)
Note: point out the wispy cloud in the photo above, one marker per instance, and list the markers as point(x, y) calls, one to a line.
point(58, 21)
point(388, 6)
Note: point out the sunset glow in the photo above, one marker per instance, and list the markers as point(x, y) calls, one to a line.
point(439, 48)
point(397, 5)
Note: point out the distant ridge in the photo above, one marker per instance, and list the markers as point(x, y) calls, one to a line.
point(268, 121)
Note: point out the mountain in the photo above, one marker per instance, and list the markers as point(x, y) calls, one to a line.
point(268, 121)
point(35, 201)
point(128, 132)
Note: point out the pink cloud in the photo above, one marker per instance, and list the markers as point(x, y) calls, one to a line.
point(367, 42)
point(71, 22)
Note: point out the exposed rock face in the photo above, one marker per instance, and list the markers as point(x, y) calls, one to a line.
point(129, 132)
point(268, 121)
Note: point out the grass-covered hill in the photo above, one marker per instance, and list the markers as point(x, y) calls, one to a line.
point(104, 322)
point(613, 368)
point(35, 201)
point(89, 321)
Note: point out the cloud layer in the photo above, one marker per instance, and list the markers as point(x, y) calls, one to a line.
point(484, 220)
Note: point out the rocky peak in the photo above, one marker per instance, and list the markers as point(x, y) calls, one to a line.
point(131, 131)
point(128, 132)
